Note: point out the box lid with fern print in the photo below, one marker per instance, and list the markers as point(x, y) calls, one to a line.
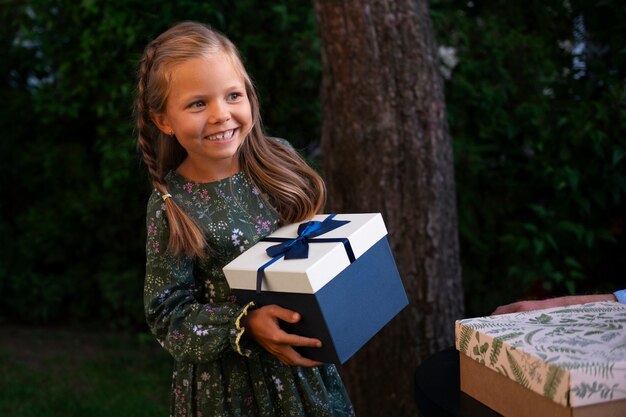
point(572, 355)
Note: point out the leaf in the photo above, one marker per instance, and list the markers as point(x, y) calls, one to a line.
point(605, 370)
point(509, 336)
point(588, 390)
point(517, 371)
point(496, 348)
point(541, 319)
point(464, 338)
point(553, 379)
point(569, 261)
point(529, 336)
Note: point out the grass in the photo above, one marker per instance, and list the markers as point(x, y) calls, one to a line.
point(63, 372)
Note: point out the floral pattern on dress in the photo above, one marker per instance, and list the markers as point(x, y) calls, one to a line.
point(191, 311)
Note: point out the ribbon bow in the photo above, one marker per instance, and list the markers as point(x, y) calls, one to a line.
point(298, 248)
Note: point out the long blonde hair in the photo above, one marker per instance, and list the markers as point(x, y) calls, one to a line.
point(296, 191)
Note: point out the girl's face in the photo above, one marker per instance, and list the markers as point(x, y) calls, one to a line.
point(209, 113)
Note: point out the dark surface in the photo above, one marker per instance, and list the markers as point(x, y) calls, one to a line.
point(437, 389)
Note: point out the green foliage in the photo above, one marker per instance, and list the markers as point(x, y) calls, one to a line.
point(495, 351)
point(603, 369)
point(541, 319)
point(73, 188)
point(53, 374)
point(509, 336)
point(588, 390)
point(528, 338)
point(518, 372)
point(539, 154)
point(465, 338)
point(539, 149)
point(553, 379)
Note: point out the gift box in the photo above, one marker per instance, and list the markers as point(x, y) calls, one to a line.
point(337, 271)
point(564, 361)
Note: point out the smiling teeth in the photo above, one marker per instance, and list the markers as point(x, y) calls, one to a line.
point(222, 136)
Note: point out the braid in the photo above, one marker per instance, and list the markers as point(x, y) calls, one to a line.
point(186, 236)
point(143, 124)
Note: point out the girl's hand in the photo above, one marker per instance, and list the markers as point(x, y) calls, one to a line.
point(262, 325)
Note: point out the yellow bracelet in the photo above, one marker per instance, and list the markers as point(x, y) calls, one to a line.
point(241, 330)
point(166, 196)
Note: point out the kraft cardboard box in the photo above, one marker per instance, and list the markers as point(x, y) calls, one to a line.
point(346, 289)
point(565, 361)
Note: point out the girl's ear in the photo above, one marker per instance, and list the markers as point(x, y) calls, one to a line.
point(160, 120)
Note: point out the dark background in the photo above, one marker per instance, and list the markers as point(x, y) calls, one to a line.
point(536, 99)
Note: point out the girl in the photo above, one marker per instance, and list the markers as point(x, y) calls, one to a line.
point(220, 185)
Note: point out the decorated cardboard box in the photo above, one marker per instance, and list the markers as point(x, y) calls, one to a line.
point(337, 271)
point(565, 361)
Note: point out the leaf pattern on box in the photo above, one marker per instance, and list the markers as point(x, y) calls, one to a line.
point(574, 356)
point(464, 339)
point(495, 351)
point(509, 336)
point(587, 390)
point(603, 370)
point(529, 336)
point(517, 371)
point(553, 379)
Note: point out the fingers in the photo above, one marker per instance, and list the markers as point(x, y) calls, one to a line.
point(292, 339)
point(289, 356)
point(279, 336)
point(301, 341)
point(521, 306)
point(263, 326)
point(306, 362)
point(284, 314)
point(502, 310)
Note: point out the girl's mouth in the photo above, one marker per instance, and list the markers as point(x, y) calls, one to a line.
point(222, 136)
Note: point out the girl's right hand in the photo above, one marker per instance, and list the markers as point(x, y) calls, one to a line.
point(262, 325)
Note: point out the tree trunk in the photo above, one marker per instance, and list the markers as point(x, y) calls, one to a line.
point(386, 148)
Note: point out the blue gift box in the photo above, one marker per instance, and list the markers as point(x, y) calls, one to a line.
point(346, 290)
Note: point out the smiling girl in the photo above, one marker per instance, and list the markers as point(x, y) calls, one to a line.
point(220, 185)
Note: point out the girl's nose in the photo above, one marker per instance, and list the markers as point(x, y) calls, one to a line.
point(219, 113)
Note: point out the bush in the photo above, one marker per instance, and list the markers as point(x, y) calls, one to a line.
point(73, 188)
point(541, 176)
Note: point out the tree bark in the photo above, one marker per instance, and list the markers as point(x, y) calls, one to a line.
point(386, 148)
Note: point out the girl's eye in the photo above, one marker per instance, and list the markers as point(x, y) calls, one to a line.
point(234, 96)
point(197, 104)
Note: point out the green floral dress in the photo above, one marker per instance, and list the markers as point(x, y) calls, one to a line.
point(192, 313)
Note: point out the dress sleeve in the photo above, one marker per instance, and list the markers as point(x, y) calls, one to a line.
point(191, 331)
point(621, 296)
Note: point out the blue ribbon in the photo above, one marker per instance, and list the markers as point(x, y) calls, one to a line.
point(298, 248)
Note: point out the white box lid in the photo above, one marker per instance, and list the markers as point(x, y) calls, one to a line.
point(326, 260)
